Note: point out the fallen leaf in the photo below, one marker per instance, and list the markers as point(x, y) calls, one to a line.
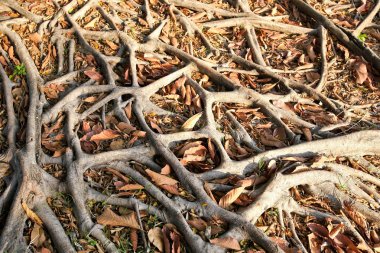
point(35, 37)
point(318, 230)
point(361, 72)
point(198, 223)
point(91, 24)
point(107, 134)
point(108, 217)
point(314, 243)
point(165, 170)
point(226, 242)
point(180, 82)
point(117, 144)
point(156, 237)
point(195, 154)
point(191, 122)
point(37, 237)
point(155, 126)
point(134, 239)
point(131, 187)
point(31, 215)
point(230, 197)
point(112, 45)
point(357, 217)
point(94, 75)
point(45, 250)
point(161, 179)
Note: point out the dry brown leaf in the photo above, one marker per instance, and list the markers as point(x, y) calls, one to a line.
point(165, 170)
point(108, 217)
point(94, 75)
point(45, 250)
point(195, 154)
point(211, 149)
point(361, 72)
point(357, 217)
point(157, 127)
point(37, 237)
point(230, 197)
point(91, 24)
point(31, 215)
point(107, 134)
point(35, 37)
point(112, 45)
point(314, 243)
point(156, 237)
point(191, 122)
point(117, 144)
point(226, 242)
point(310, 52)
point(217, 30)
point(131, 187)
point(134, 239)
point(180, 82)
point(198, 223)
point(269, 140)
point(187, 146)
point(161, 179)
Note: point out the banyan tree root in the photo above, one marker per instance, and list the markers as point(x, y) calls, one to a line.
point(332, 163)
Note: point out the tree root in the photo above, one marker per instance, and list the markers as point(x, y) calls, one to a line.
point(127, 99)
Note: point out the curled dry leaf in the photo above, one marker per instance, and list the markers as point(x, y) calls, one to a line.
point(161, 179)
point(156, 237)
point(318, 230)
point(314, 243)
point(226, 242)
point(108, 217)
point(230, 197)
point(357, 217)
point(191, 122)
point(31, 215)
point(195, 154)
point(361, 72)
point(180, 82)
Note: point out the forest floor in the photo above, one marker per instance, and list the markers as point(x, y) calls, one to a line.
point(189, 126)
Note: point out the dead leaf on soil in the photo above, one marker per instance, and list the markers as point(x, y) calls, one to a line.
point(94, 75)
point(108, 217)
point(230, 197)
point(226, 242)
point(107, 134)
point(191, 122)
point(156, 237)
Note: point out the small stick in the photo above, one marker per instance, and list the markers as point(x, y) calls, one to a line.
point(140, 223)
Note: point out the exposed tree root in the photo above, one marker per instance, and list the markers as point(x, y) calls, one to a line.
point(314, 163)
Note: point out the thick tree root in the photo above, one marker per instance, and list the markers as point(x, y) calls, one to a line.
point(30, 185)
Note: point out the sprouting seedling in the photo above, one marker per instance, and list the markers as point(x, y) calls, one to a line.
point(19, 70)
point(362, 37)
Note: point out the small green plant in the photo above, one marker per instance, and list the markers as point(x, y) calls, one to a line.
point(91, 241)
point(153, 221)
point(362, 37)
point(19, 70)
point(261, 165)
point(341, 186)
